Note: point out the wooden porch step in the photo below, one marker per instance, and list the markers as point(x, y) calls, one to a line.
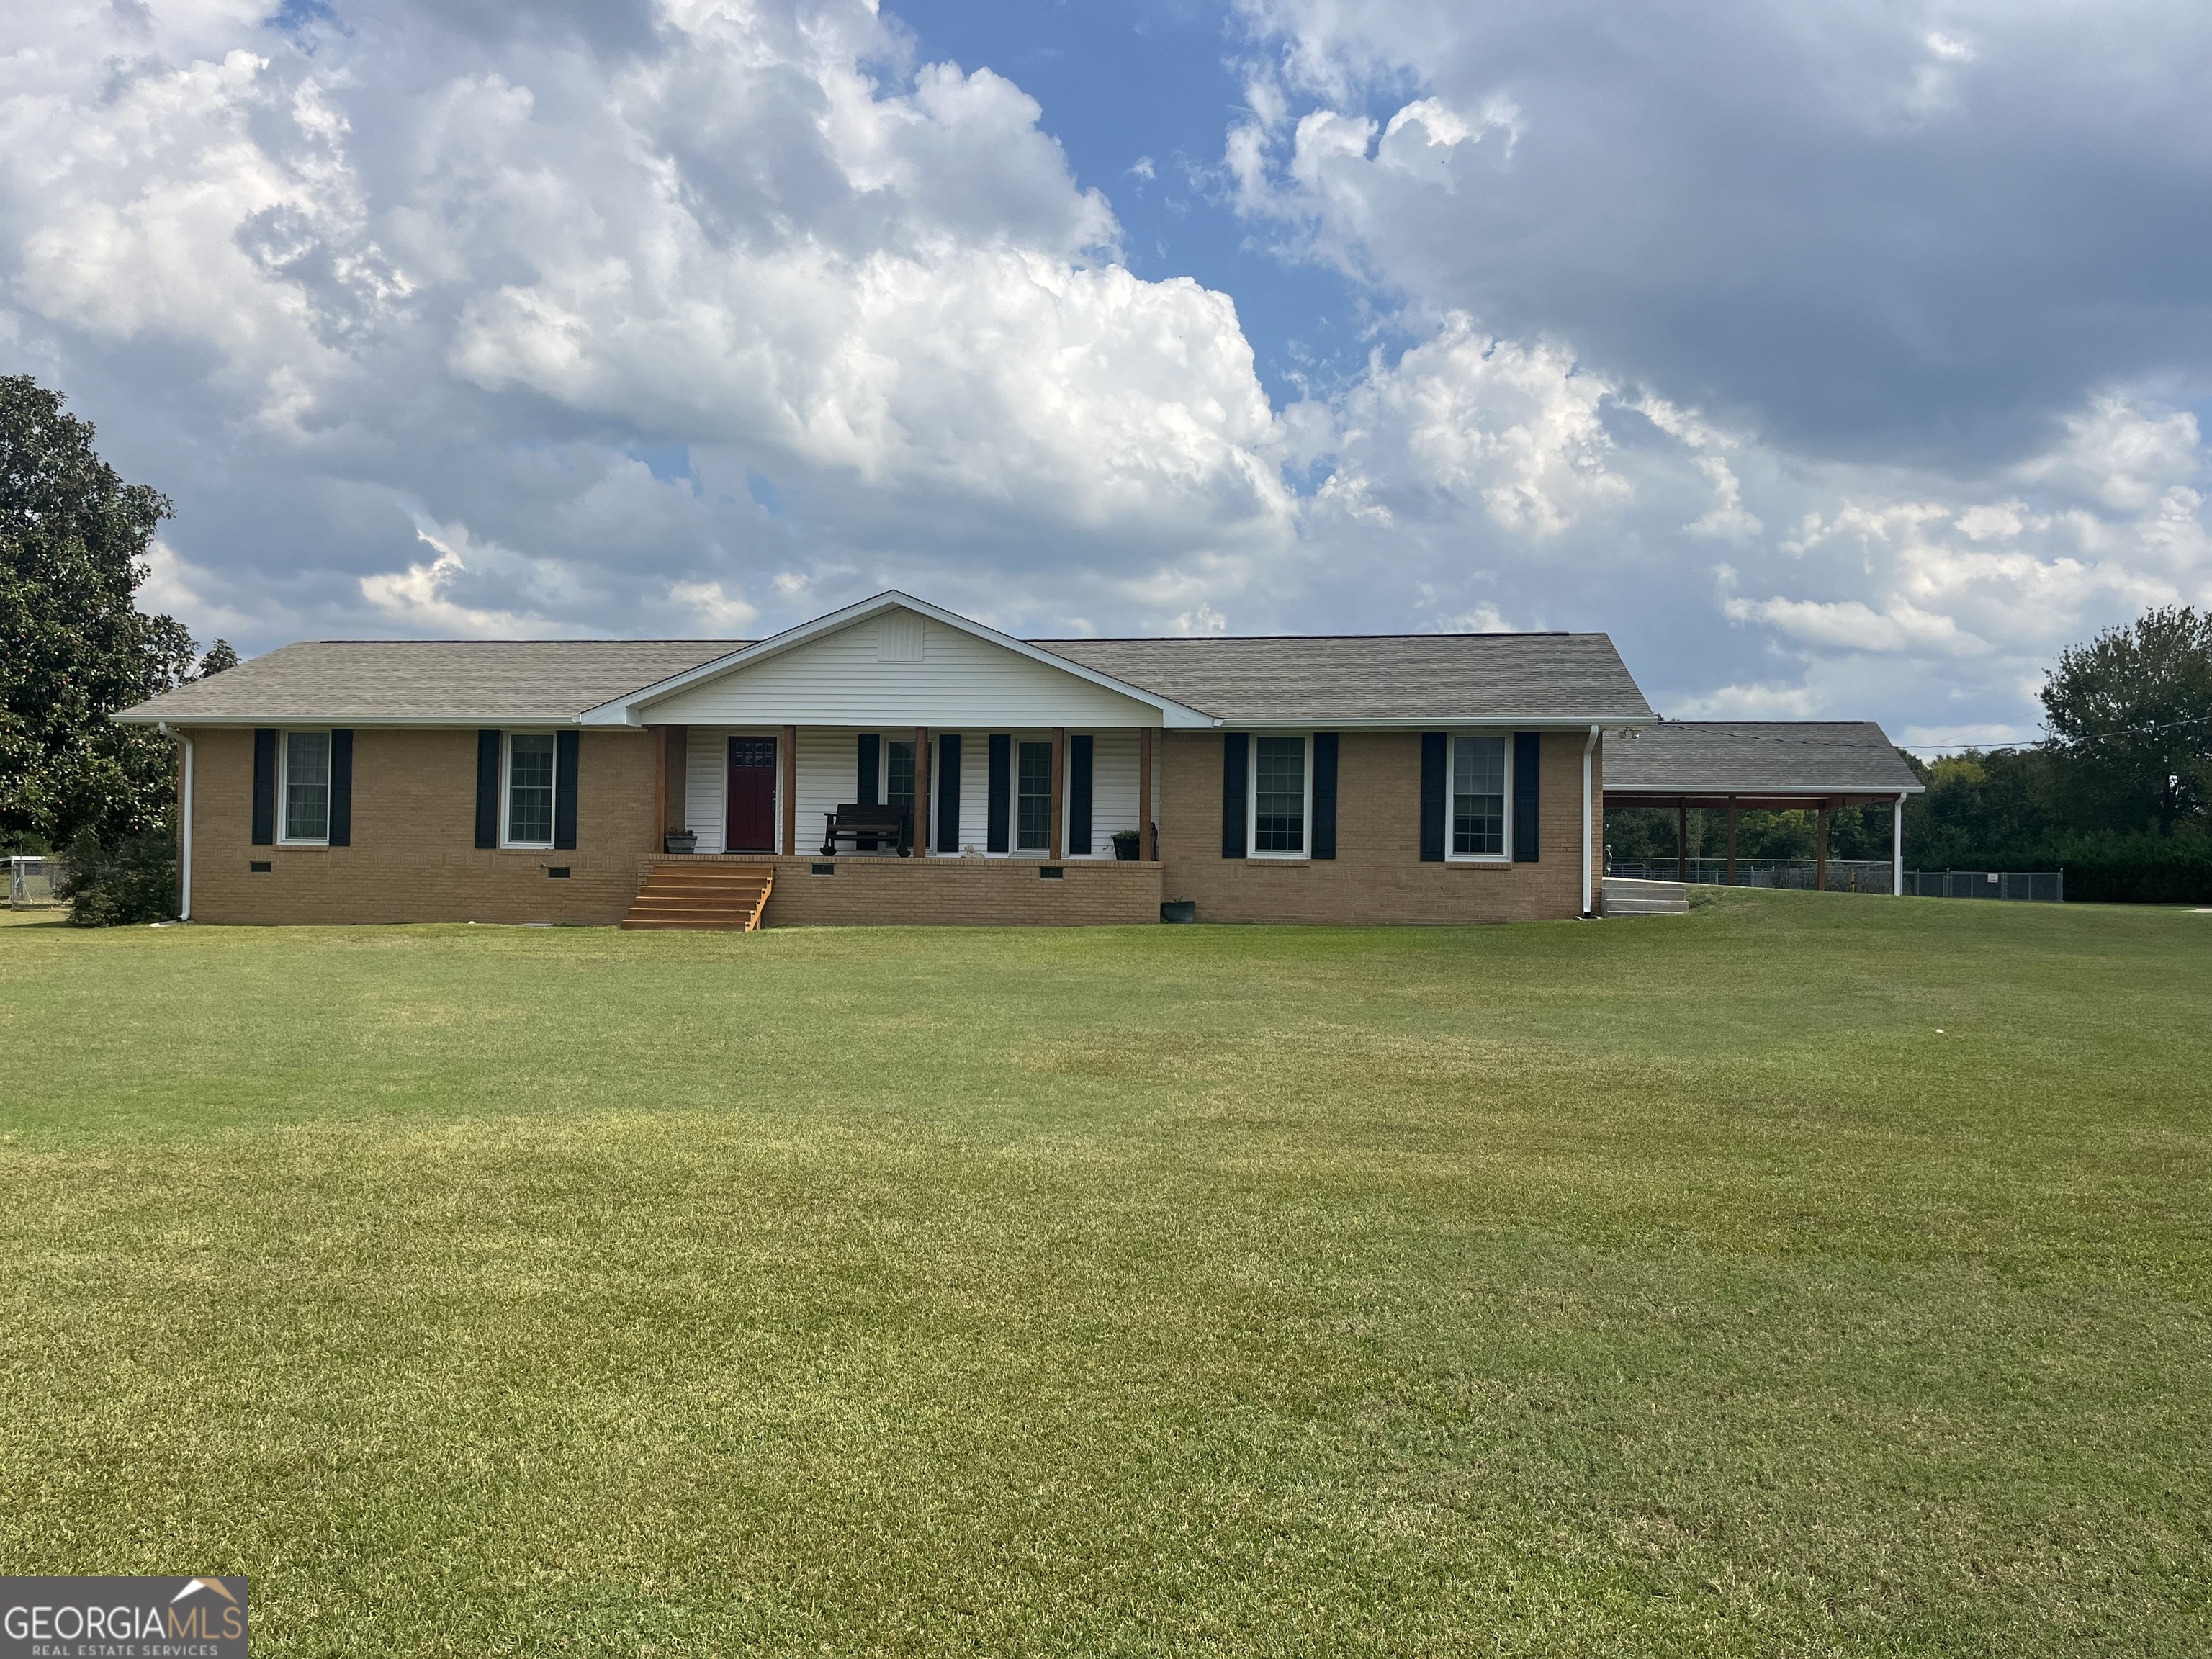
point(1625, 896)
point(702, 897)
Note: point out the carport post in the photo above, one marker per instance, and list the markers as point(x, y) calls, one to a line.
point(1820, 860)
point(1731, 852)
point(1896, 848)
point(1681, 840)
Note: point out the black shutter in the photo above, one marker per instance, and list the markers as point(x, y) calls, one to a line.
point(1001, 837)
point(342, 788)
point(1078, 795)
point(487, 788)
point(264, 786)
point(1324, 795)
point(1528, 763)
point(565, 745)
point(1235, 751)
point(870, 769)
point(1432, 797)
point(948, 792)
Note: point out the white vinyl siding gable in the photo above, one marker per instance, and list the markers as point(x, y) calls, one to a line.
point(843, 679)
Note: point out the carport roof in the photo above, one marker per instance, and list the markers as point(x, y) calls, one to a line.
point(1721, 758)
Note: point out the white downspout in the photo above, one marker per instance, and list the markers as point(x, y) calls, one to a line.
point(185, 842)
point(1587, 747)
point(1896, 848)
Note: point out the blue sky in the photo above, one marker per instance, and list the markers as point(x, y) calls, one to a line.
point(1845, 360)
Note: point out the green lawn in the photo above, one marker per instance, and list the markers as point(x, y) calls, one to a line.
point(1652, 1287)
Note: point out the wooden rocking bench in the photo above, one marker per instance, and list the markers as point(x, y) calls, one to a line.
point(857, 823)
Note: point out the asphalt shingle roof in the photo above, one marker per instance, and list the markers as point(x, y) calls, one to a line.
point(1840, 757)
point(462, 680)
point(1400, 677)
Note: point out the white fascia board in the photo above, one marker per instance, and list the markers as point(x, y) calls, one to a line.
point(441, 722)
point(1780, 792)
point(626, 710)
point(1398, 723)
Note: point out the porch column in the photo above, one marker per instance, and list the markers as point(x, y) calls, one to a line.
point(1731, 850)
point(1146, 849)
point(921, 792)
point(1896, 848)
point(1821, 856)
point(676, 757)
point(790, 791)
point(1681, 840)
point(1057, 849)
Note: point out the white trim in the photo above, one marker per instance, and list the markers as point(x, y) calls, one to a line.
point(628, 710)
point(185, 842)
point(506, 842)
point(284, 736)
point(1720, 795)
point(1451, 795)
point(1896, 848)
point(1588, 744)
point(1303, 852)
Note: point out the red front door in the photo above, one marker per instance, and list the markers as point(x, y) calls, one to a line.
point(751, 819)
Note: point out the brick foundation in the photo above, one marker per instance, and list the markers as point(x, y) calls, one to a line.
point(950, 892)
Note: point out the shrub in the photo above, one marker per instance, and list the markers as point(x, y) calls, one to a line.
point(135, 881)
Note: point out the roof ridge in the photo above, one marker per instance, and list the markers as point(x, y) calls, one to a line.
point(1223, 639)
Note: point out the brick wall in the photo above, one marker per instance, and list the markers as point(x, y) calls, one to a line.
point(414, 856)
point(1378, 875)
point(952, 892)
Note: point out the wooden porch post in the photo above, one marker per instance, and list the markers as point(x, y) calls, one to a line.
point(675, 757)
point(1681, 840)
point(1731, 852)
point(921, 792)
point(659, 788)
point(1056, 850)
point(1145, 848)
point(790, 791)
point(1820, 858)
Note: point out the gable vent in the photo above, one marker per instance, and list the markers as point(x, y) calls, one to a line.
point(899, 638)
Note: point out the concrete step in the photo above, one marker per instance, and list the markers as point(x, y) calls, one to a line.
point(1624, 897)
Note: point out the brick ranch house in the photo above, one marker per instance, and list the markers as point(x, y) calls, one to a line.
point(1422, 778)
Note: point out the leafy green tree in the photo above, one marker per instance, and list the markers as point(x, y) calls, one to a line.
point(74, 647)
point(2131, 714)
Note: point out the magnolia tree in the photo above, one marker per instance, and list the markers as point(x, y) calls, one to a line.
point(74, 649)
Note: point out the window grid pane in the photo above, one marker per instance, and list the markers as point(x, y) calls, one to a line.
point(1033, 827)
point(1479, 795)
point(899, 790)
point(1279, 804)
point(307, 786)
point(530, 791)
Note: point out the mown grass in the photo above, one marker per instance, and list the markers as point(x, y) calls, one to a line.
point(1656, 1287)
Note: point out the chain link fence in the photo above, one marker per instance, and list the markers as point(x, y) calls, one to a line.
point(2029, 886)
point(1853, 876)
point(1844, 875)
point(31, 882)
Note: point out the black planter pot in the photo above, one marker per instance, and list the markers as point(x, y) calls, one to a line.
point(1125, 847)
point(1179, 910)
point(680, 843)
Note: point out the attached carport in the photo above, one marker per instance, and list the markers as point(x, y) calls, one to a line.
point(1765, 766)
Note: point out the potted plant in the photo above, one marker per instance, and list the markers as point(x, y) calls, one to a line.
point(1125, 846)
point(1179, 910)
point(680, 841)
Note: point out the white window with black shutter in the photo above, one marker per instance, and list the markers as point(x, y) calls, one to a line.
point(303, 789)
point(1481, 786)
point(527, 800)
point(1279, 807)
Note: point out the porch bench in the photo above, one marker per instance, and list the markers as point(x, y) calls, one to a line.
point(856, 823)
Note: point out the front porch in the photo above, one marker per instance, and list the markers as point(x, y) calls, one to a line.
point(882, 889)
